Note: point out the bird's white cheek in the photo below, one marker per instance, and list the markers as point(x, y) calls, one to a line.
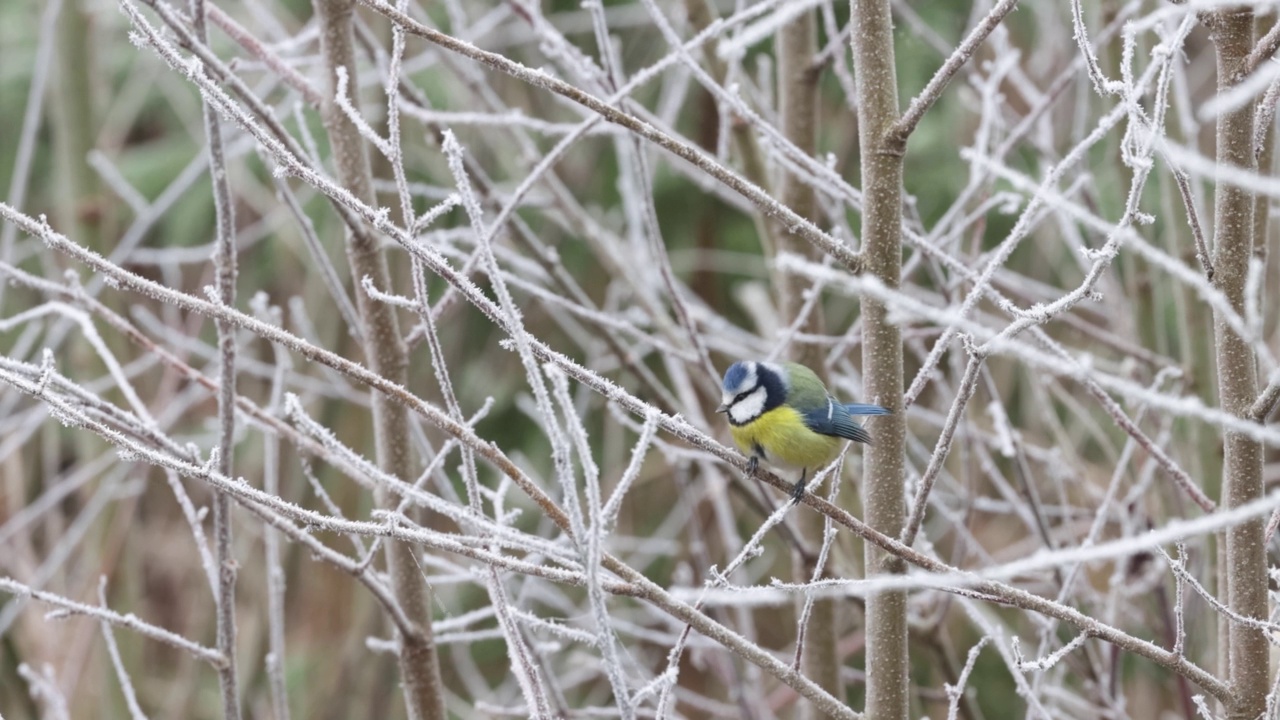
point(749, 407)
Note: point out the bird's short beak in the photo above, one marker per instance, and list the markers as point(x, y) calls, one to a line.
point(724, 407)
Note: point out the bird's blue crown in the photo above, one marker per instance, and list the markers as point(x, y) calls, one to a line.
point(735, 375)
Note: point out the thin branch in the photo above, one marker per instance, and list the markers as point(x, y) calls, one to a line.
point(314, 247)
point(31, 118)
point(955, 693)
point(1051, 659)
point(43, 687)
point(968, 384)
point(126, 685)
point(1267, 400)
point(1180, 572)
point(906, 124)
point(224, 263)
point(246, 39)
point(128, 622)
point(1263, 51)
point(275, 660)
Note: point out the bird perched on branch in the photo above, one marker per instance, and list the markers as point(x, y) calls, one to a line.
point(781, 413)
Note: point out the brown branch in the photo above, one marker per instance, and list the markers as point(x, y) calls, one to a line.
point(250, 43)
point(388, 357)
point(1263, 51)
point(224, 265)
point(968, 384)
point(1193, 219)
point(881, 150)
point(1267, 401)
point(906, 124)
point(1246, 563)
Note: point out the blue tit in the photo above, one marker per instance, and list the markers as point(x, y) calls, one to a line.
point(782, 413)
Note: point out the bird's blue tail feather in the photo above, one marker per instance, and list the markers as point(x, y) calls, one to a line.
point(864, 409)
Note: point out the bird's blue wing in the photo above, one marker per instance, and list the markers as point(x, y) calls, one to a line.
point(836, 420)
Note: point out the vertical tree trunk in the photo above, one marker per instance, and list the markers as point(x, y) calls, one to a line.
point(387, 355)
point(1232, 34)
point(882, 481)
point(798, 110)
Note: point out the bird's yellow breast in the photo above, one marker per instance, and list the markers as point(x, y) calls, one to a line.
point(787, 442)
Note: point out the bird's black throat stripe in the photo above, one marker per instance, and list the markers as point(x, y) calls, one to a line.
point(775, 390)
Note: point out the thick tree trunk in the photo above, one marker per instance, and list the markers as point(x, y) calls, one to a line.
point(1246, 567)
point(882, 481)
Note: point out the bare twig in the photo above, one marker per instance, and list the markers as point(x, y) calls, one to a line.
point(128, 622)
point(224, 263)
point(122, 675)
point(1193, 219)
point(275, 660)
point(955, 693)
point(968, 383)
point(1267, 400)
point(1263, 50)
point(906, 124)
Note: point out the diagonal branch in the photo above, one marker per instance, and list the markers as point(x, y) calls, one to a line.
point(906, 124)
point(1263, 51)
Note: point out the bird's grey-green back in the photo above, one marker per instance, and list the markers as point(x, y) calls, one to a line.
point(806, 391)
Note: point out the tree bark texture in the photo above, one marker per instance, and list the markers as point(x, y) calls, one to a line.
point(387, 355)
point(1232, 34)
point(882, 481)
